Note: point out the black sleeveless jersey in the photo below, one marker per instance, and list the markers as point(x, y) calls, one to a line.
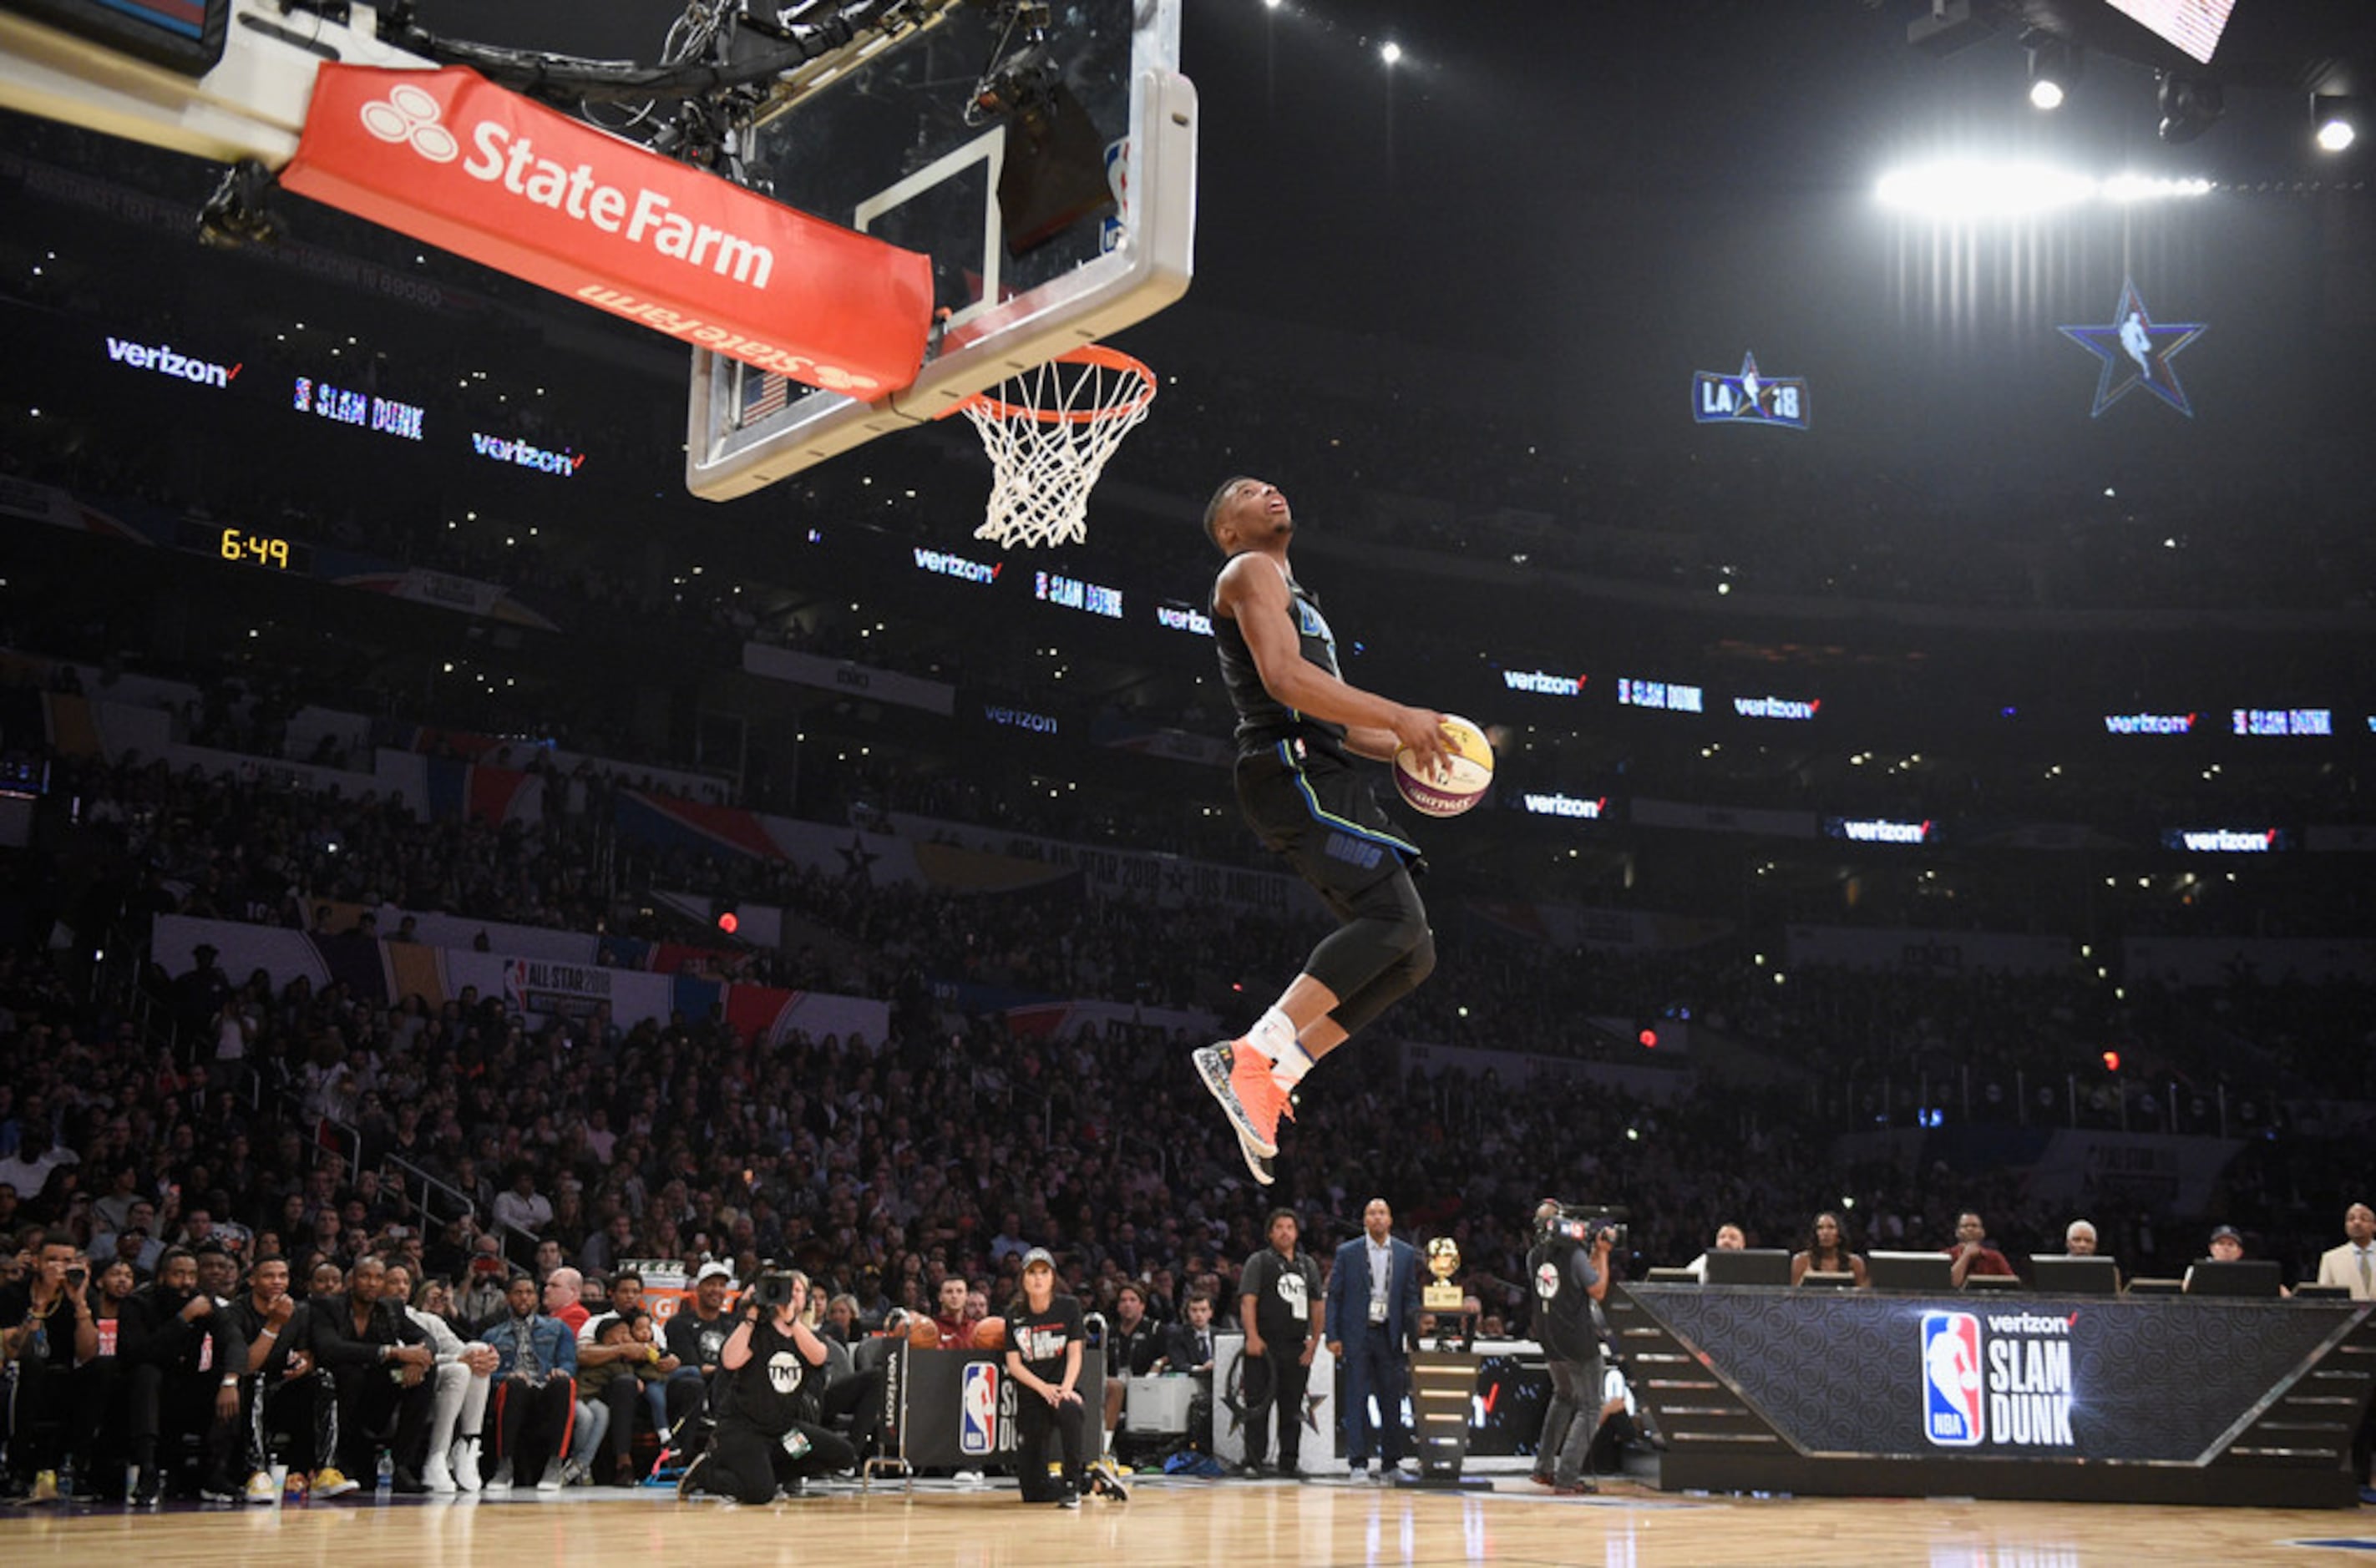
point(1263, 720)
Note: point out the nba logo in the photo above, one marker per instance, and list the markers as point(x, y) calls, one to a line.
point(1951, 1379)
point(978, 1409)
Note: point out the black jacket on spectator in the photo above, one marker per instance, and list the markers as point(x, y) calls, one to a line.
point(1181, 1348)
point(152, 1332)
point(250, 1324)
point(331, 1333)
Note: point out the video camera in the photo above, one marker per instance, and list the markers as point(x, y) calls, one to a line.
point(774, 1289)
point(1581, 1222)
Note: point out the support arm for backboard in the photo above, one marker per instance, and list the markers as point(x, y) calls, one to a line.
point(251, 105)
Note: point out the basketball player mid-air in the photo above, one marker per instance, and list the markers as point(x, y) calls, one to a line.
point(1301, 793)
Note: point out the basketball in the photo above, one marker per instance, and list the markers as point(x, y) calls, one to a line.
point(1462, 782)
point(923, 1332)
point(990, 1333)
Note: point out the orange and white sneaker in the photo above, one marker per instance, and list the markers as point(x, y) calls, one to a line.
point(1239, 1077)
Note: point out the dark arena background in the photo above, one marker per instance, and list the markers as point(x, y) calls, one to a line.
point(1914, 551)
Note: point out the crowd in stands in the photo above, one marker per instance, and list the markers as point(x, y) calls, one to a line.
point(321, 1127)
point(179, 842)
point(249, 1120)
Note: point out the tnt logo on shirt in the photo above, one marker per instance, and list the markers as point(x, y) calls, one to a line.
point(978, 1409)
point(1952, 1405)
point(784, 1373)
point(1292, 1290)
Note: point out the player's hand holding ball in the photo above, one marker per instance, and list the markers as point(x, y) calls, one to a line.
point(1449, 777)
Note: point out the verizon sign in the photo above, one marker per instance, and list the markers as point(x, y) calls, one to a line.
point(449, 158)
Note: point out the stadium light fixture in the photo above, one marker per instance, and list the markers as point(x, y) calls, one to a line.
point(2054, 64)
point(1972, 190)
point(1390, 52)
point(2336, 119)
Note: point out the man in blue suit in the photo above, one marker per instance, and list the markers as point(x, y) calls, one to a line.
point(1374, 1308)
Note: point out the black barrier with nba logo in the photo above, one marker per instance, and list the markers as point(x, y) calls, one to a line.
point(954, 1409)
point(2040, 1388)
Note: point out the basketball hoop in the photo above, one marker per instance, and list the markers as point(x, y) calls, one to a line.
point(1049, 431)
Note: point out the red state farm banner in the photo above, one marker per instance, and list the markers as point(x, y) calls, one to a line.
point(450, 157)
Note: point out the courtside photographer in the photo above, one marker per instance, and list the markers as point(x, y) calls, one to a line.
point(1569, 1267)
point(770, 1427)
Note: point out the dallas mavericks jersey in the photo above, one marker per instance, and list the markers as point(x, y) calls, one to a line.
point(1263, 720)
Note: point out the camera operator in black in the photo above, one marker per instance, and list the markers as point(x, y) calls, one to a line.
point(1044, 1339)
point(1279, 1300)
point(1569, 1266)
point(768, 1430)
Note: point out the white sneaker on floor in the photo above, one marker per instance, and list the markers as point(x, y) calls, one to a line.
point(465, 1465)
point(438, 1476)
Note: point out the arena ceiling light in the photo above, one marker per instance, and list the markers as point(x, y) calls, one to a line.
point(2053, 67)
point(2145, 187)
point(1972, 189)
point(1983, 190)
point(2335, 119)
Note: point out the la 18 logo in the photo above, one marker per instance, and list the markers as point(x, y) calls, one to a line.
point(1749, 398)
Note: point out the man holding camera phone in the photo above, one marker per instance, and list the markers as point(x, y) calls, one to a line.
point(45, 1328)
point(772, 1380)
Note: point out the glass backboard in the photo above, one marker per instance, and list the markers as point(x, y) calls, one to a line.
point(1031, 254)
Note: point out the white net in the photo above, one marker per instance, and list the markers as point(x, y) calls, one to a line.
point(1048, 432)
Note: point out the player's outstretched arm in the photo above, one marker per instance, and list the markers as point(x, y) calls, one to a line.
point(1254, 594)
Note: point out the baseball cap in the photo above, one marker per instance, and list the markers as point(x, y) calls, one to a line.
point(1038, 1257)
point(713, 1270)
point(2228, 1231)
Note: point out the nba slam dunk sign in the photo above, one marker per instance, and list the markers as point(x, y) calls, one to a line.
point(1999, 1380)
point(2052, 1378)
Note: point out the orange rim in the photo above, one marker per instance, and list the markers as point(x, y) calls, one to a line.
point(1096, 354)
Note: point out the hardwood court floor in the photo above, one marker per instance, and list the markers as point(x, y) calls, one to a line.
point(1235, 1523)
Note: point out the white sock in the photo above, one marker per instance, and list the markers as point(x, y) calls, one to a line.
point(1273, 1035)
point(1287, 1069)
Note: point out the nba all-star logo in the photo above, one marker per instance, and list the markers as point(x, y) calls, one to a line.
point(2136, 352)
point(1749, 398)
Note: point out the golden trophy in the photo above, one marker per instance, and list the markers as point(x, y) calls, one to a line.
point(1443, 1262)
point(1443, 1380)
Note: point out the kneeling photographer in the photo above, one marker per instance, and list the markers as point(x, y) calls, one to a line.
point(770, 1431)
point(1569, 1266)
